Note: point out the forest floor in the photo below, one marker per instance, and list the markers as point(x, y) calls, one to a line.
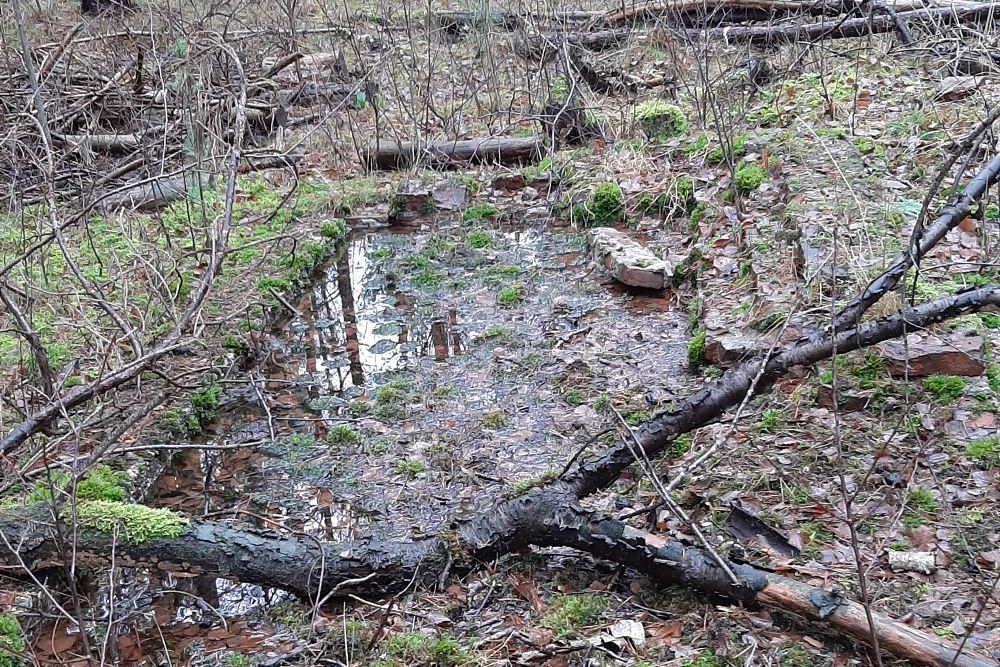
point(428, 367)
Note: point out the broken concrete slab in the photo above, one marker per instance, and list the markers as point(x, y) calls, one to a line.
point(953, 354)
point(628, 261)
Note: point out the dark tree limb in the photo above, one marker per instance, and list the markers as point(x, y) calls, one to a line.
point(374, 568)
point(728, 391)
point(857, 27)
point(454, 154)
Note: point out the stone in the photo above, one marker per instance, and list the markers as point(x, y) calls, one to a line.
point(725, 348)
point(959, 354)
point(450, 199)
point(627, 260)
point(848, 400)
point(410, 203)
point(509, 182)
point(912, 561)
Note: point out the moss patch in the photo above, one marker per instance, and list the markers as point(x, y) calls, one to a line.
point(141, 523)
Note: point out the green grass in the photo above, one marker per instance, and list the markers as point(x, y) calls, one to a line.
point(771, 421)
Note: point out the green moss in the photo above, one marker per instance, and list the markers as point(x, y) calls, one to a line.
point(343, 434)
point(575, 397)
point(204, 403)
point(607, 204)
point(427, 279)
point(560, 89)
point(334, 230)
point(523, 486)
point(945, 388)
point(661, 120)
point(919, 503)
point(416, 649)
point(749, 177)
point(497, 333)
point(102, 483)
point(139, 522)
point(985, 451)
point(409, 468)
point(993, 377)
point(233, 343)
point(11, 641)
point(479, 239)
point(704, 659)
point(396, 391)
point(738, 147)
point(511, 296)
point(494, 420)
point(680, 446)
point(990, 320)
point(636, 417)
point(570, 613)
point(478, 212)
point(500, 274)
point(279, 285)
point(696, 348)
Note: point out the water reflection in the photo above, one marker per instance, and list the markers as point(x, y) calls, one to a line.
point(357, 323)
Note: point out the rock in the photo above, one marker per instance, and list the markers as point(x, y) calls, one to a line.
point(912, 561)
point(410, 203)
point(847, 400)
point(954, 88)
point(961, 354)
point(725, 348)
point(628, 261)
point(450, 199)
point(509, 182)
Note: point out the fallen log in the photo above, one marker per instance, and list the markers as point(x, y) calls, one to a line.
point(455, 154)
point(543, 517)
point(858, 27)
point(546, 45)
point(763, 9)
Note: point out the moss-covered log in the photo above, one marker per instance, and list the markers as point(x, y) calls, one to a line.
point(544, 516)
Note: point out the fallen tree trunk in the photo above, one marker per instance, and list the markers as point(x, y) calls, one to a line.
point(545, 45)
point(858, 27)
point(455, 154)
point(764, 9)
point(543, 517)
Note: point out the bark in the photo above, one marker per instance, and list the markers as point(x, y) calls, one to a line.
point(314, 570)
point(456, 154)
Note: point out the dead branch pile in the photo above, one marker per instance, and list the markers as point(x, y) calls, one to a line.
point(137, 119)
